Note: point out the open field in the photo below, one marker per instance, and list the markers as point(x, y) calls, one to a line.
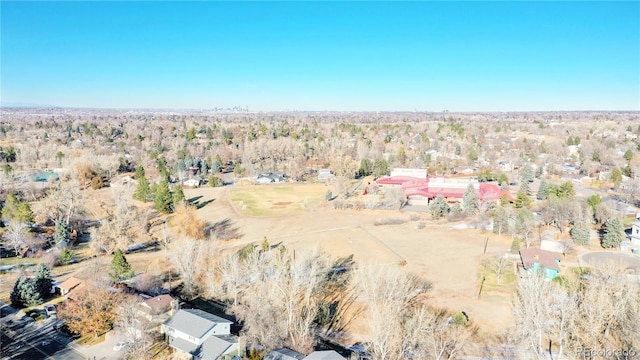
point(447, 257)
point(274, 200)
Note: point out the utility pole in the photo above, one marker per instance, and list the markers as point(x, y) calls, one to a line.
point(481, 285)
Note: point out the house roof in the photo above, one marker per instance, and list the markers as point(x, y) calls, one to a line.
point(395, 180)
point(545, 258)
point(324, 355)
point(283, 354)
point(434, 186)
point(183, 345)
point(156, 305)
point(194, 322)
point(70, 283)
point(215, 346)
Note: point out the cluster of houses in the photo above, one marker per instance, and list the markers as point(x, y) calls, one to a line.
point(546, 259)
point(192, 333)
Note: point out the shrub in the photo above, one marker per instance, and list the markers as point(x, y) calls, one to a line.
point(389, 221)
point(66, 256)
point(515, 246)
point(97, 183)
point(214, 181)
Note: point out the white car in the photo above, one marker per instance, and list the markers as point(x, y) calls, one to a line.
point(50, 310)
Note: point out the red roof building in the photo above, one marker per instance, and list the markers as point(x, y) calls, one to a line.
point(453, 188)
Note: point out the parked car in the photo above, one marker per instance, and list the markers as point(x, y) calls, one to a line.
point(50, 310)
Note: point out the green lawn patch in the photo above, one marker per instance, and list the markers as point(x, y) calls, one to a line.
point(270, 200)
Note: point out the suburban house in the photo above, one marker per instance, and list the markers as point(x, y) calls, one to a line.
point(68, 285)
point(158, 309)
point(202, 335)
point(288, 354)
point(271, 177)
point(193, 182)
point(543, 261)
point(325, 175)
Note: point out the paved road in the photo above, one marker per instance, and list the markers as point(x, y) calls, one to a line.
point(601, 258)
point(23, 338)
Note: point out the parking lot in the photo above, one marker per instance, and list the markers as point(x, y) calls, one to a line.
point(24, 338)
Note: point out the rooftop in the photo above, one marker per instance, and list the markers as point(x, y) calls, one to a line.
point(195, 322)
point(547, 259)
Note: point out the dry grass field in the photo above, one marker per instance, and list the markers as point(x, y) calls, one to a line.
point(449, 258)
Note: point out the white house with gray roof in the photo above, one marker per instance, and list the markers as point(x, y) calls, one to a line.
point(203, 335)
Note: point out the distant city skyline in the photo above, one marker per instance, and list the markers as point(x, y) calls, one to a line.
point(323, 56)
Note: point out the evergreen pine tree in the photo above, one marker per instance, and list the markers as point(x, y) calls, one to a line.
point(143, 190)
point(503, 179)
point(456, 211)
point(29, 292)
point(594, 201)
point(616, 176)
point(216, 166)
point(43, 281)
point(178, 196)
point(16, 299)
point(365, 167)
point(61, 233)
point(16, 209)
point(580, 234)
point(139, 173)
point(543, 190)
point(522, 200)
point(120, 268)
point(470, 200)
point(613, 233)
point(527, 174)
point(439, 207)
point(163, 201)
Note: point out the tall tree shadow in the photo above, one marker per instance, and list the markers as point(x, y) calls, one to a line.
point(223, 230)
point(195, 201)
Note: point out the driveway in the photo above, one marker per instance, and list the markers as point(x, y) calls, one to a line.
point(103, 350)
point(601, 258)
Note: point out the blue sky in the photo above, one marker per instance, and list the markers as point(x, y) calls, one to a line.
point(347, 56)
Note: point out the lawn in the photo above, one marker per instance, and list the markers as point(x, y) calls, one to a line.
point(274, 200)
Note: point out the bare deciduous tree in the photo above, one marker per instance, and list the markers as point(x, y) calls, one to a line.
point(430, 334)
point(63, 201)
point(17, 236)
point(387, 294)
point(497, 265)
point(185, 255)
